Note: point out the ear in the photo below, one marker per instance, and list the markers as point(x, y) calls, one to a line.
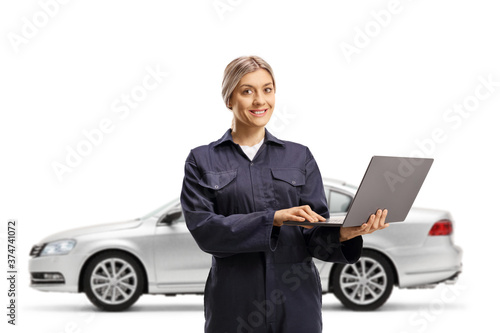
point(229, 105)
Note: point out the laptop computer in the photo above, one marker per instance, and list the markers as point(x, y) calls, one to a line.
point(389, 182)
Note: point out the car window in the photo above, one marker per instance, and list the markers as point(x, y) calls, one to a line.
point(159, 211)
point(338, 202)
point(176, 216)
point(179, 219)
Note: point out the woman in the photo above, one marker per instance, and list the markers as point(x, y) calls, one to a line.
point(236, 194)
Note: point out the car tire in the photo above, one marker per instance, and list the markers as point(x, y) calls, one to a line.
point(365, 285)
point(113, 281)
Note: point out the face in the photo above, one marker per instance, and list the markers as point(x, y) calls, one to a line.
point(252, 101)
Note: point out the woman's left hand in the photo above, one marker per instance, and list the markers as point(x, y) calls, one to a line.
point(375, 222)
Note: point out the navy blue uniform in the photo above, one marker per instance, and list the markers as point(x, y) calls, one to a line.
point(262, 277)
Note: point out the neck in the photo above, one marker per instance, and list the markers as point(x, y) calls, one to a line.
point(245, 136)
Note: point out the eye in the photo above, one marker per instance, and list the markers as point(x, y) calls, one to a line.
point(247, 92)
point(268, 90)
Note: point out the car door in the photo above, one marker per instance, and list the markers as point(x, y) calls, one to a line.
point(338, 202)
point(181, 266)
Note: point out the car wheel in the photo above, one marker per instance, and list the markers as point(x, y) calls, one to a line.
point(113, 281)
point(364, 285)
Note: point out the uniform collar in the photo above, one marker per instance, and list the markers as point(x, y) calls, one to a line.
point(268, 137)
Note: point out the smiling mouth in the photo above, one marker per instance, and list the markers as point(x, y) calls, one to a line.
point(259, 112)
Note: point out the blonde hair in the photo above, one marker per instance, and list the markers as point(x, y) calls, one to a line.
point(239, 67)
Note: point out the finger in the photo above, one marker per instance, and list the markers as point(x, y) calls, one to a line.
point(382, 224)
point(319, 217)
point(309, 216)
point(384, 216)
point(381, 214)
point(365, 227)
point(306, 216)
point(369, 223)
point(294, 217)
point(376, 221)
point(375, 225)
point(313, 214)
point(300, 216)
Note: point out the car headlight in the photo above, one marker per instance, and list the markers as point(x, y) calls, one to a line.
point(58, 247)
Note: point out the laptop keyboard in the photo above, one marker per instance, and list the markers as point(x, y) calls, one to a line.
point(336, 220)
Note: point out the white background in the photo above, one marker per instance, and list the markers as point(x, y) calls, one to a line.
point(65, 69)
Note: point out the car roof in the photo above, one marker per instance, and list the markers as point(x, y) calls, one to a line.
point(332, 182)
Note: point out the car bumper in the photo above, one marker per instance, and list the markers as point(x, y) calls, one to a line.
point(55, 273)
point(438, 260)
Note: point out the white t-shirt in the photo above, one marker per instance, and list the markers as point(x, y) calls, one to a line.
point(250, 151)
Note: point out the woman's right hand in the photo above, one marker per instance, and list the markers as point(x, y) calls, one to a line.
point(300, 214)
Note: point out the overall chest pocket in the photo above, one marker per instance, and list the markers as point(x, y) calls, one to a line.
point(287, 184)
point(218, 185)
point(217, 180)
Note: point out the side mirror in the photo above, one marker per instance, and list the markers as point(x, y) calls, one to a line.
point(170, 216)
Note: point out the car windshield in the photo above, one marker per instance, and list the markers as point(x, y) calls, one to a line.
point(160, 210)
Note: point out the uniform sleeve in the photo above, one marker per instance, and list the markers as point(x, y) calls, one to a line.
point(323, 242)
point(220, 235)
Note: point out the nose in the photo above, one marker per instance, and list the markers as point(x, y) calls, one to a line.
point(258, 99)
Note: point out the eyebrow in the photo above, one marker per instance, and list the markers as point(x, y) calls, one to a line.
point(249, 85)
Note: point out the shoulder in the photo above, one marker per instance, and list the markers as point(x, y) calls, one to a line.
point(294, 145)
point(203, 151)
point(290, 145)
point(295, 149)
point(199, 153)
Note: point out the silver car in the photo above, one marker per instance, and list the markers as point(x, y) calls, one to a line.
point(114, 264)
